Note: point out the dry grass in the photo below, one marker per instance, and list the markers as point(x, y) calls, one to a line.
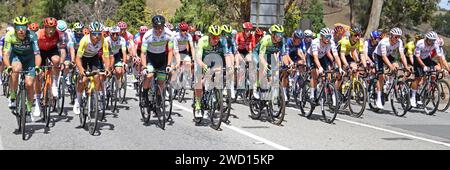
point(166, 5)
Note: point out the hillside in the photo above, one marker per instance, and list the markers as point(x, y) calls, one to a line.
point(166, 5)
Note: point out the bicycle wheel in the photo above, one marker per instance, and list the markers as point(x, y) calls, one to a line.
point(83, 112)
point(21, 107)
point(277, 107)
point(431, 98)
point(46, 106)
point(161, 106)
point(114, 94)
point(401, 96)
point(142, 105)
point(180, 94)
point(326, 99)
point(169, 96)
point(61, 97)
point(255, 107)
point(216, 107)
point(372, 96)
point(357, 99)
point(123, 89)
point(197, 120)
point(94, 113)
point(444, 95)
point(5, 80)
point(226, 106)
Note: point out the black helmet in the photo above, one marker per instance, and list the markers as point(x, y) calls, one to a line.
point(158, 20)
point(355, 30)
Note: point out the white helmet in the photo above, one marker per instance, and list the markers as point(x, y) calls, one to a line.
point(115, 29)
point(396, 31)
point(431, 35)
point(234, 32)
point(326, 31)
point(8, 29)
point(308, 33)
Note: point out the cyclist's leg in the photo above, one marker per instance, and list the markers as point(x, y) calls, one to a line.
point(16, 67)
point(118, 67)
point(314, 75)
point(379, 63)
point(229, 61)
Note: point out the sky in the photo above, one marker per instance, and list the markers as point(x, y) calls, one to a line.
point(445, 4)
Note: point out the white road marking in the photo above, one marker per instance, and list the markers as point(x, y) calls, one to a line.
point(388, 131)
point(243, 132)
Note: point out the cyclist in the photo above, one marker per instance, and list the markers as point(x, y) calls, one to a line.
point(423, 61)
point(87, 57)
point(156, 54)
point(138, 44)
point(442, 62)
point(52, 45)
point(321, 56)
point(128, 38)
point(382, 56)
point(118, 49)
point(210, 43)
point(245, 42)
point(369, 47)
point(33, 27)
point(339, 32)
point(259, 33)
point(351, 49)
point(21, 52)
point(410, 47)
point(230, 51)
point(185, 46)
point(2, 42)
point(62, 27)
point(274, 43)
point(309, 36)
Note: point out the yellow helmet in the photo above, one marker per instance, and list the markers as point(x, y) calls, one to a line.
point(21, 20)
point(214, 30)
point(276, 29)
point(227, 29)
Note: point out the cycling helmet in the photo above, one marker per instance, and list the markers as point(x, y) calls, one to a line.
point(62, 25)
point(214, 30)
point(122, 25)
point(33, 26)
point(375, 34)
point(143, 29)
point(50, 22)
point(78, 25)
point(355, 30)
point(298, 33)
point(21, 20)
point(115, 29)
point(431, 35)
point(339, 29)
point(227, 29)
point(247, 25)
point(325, 31)
point(309, 33)
point(183, 26)
point(95, 27)
point(418, 36)
point(396, 31)
point(276, 29)
point(158, 20)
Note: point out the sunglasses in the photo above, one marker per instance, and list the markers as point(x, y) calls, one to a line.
point(356, 35)
point(114, 34)
point(21, 27)
point(328, 37)
point(184, 30)
point(96, 34)
point(279, 34)
point(397, 37)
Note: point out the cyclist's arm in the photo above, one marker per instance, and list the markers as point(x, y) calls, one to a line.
point(401, 50)
point(124, 51)
point(316, 59)
point(384, 55)
point(342, 52)
point(191, 46)
point(35, 47)
point(106, 54)
point(335, 54)
point(172, 48)
point(366, 52)
point(262, 53)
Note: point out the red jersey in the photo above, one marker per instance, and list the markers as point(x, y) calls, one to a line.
point(245, 42)
point(48, 43)
point(138, 41)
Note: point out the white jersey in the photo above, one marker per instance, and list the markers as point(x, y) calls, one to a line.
point(322, 49)
point(183, 41)
point(424, 51)
point(116, 46)
point(385, 47)
point(157, 44)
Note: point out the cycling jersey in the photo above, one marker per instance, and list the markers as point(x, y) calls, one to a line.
point(183, 41)
point(245, 43)
point(88, 49)
point(266, 46)
point(321, 49)
point(138, 41)
point(128, 38)
point(116, 46)
point(205, 47)
point(26, 48)
point(293, 49)
point(50, 43)
point(75, 39)
point(230, 44)
point(157, 44)
point(369, 47)
point(425, 51)
point(2, 42)
point(384, 47)
point(347, 46)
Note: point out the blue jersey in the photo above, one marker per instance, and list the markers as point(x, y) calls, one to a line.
point(230, 44)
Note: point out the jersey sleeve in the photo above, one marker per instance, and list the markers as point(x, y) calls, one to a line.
point(83, 46)
point(144, 40)
point(34, 44)
point(401, 48)
point(105, 48)
point(123, 44)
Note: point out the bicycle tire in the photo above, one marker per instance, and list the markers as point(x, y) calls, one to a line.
point(46, 107)
point(83, 112)
point(302, 99)
point(430, 95)
point(61, 97)
point(359, 89)
point(22, 111)
point(161, 106)
point(372, 96)
point(327, 100)
point(402, 96)
point(255, 107)
point(226, 106)
point(277, 115)
point(216, 107)
point(123, 89)
point(197, 120)
point(444, 95)
point(93, 114)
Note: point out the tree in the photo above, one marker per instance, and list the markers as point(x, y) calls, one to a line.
point(440, 23)
point(375, 13)
point(315, 14)
point(292, 16)
point(97, 10)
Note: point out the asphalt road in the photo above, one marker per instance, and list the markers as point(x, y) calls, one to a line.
point(125, 130)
